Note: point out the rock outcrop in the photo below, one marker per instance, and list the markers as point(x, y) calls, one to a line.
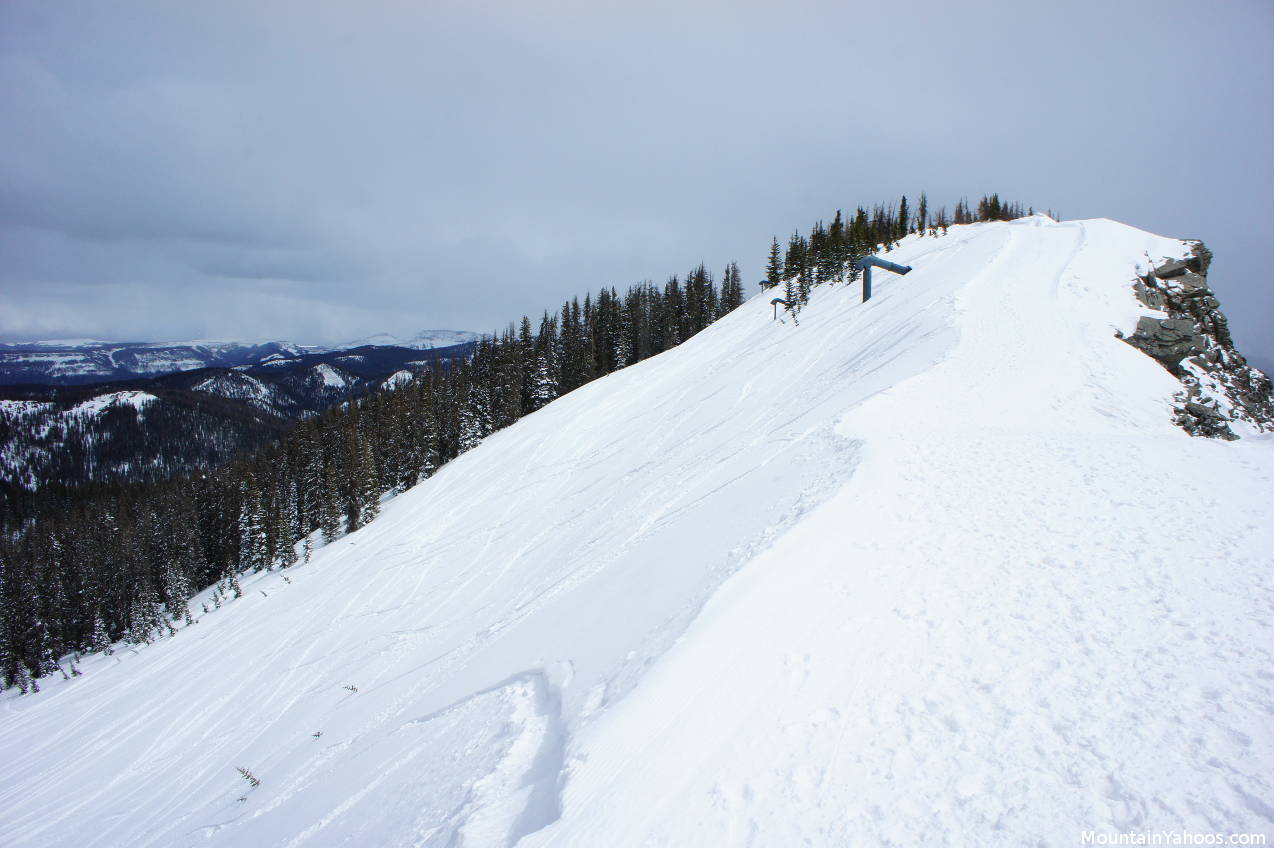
point(1194, 344)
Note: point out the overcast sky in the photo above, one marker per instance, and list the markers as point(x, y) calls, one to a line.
point(318, 171)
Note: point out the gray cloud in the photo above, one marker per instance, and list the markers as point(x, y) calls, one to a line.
point(320, 171)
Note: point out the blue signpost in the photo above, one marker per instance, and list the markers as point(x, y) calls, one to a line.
point(865, 265)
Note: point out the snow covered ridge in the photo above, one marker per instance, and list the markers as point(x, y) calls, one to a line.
point(101, 403)
point(17, 409)
point(876, 579)
point(22, 459)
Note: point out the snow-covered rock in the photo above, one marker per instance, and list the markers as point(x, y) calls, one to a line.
point(889, 576)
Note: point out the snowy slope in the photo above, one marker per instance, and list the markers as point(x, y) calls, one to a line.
point(934, 569)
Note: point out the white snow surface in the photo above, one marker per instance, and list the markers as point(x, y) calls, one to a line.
point(97, 405)
point(329, 376)
point(398, 379)
point(20, 408)
point(931, 570)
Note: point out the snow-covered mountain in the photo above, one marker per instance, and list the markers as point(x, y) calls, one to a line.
point(169, 426)
point(424, 340)
point(942, 568)
point(43, 438)
point(81, 361)
point(76, 361)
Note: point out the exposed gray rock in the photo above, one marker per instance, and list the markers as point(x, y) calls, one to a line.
point(1168, 340)
point(1199, 420)
point(1200, 253)
point(1173, 268)
point(1191, 284)
point(1150, 297)
point(1201, 411)
point(1195, 345)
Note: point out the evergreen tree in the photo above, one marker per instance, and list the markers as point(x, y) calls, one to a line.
point(837, 250)
point(329, 504)
point(367, 484)
point(673, 310)
point(794, 258)
point(528, 362)
point(625, 336)
point(101, 639)
point(731, 290)
point(287, 526)
point(353, 472)
point(774, 272)
point(252, 541)
point(14, 618)
point(476, 419)
point(145, 621)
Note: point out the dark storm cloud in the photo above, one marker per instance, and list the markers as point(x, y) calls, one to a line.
point(320, 170)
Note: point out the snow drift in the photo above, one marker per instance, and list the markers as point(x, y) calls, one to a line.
point(933, 569)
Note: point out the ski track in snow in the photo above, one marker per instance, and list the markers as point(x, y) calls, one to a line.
point(933, 569)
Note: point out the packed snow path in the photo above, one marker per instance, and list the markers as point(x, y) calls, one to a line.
point(933, 569)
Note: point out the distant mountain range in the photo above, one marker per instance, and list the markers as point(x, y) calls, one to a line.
point(63, 425)
point(70, 362)
point(424, 340)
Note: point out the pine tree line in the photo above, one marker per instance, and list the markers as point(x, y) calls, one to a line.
point(828, 253)
point(82, 568)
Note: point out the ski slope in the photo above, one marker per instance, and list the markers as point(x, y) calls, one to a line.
point(935, 569)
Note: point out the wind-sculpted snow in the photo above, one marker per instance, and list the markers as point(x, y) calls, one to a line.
point(933, 569)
